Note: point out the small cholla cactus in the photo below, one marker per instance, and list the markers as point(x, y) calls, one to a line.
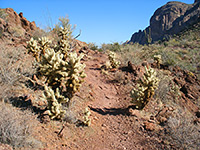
point(55, 103)
point(158, 60)
point(112, 58)
point(86, 119)
point(145, 89)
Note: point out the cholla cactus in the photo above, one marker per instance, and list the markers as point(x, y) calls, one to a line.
point(145, 89)
point(86, 119)
point(75, 73)
point(32, 47)
point(158, 60)
point(64, 71)
point(113, 62)
point(55, 101)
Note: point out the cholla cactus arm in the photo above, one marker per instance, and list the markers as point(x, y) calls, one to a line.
point(86, 119)
point(44, 44)
point(55, 101)
point(54, 67)
point(76, 73)
point(33, 48)
point(63, 43)
point(138, 96)
point(149, 78)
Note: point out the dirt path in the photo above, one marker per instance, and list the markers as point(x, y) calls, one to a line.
point(112, 127)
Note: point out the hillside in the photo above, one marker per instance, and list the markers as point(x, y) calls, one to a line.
point(170, 120)
point(168, 20)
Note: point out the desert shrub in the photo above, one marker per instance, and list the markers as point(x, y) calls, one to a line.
point(93, 46)
point(16, 127)
point(115, 47)
point(64, 22)
point(3, 14)
point(11, 70)
point(182, 132)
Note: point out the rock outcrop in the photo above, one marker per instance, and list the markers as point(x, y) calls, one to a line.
point(168, 20)
point(13, 25)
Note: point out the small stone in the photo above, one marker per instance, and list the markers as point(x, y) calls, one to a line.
point(134, 112)
point(149, 126)
point(103, 125)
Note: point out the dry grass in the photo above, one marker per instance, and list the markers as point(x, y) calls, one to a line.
point(16, 127)
point(182, 132)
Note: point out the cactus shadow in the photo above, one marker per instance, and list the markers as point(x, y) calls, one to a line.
point(111, 111)
point(95, 68)
point(24, 103)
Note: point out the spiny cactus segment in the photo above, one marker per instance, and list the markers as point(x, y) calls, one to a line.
point(38, 47)
point(145, 89)
point(64, 42)
point(55, 101)
point(54, 68)
point(33, 48)
point(86, 119)
point(75, 73)
point(44, 44)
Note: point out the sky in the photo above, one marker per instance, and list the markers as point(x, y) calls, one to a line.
point(100, 21)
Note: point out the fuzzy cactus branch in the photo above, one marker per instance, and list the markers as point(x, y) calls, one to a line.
point(75, 74)
point(55, 101)
point(64, 42)
point(32, 47)
point(86, 119)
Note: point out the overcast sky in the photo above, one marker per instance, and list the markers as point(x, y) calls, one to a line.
point(101, 21)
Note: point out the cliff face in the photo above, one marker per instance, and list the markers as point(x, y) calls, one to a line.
point(168, 20)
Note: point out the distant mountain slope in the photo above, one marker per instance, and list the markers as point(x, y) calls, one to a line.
point(168, 20)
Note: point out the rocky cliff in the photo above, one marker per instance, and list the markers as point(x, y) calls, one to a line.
point(15, 26)
point(168, 20)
